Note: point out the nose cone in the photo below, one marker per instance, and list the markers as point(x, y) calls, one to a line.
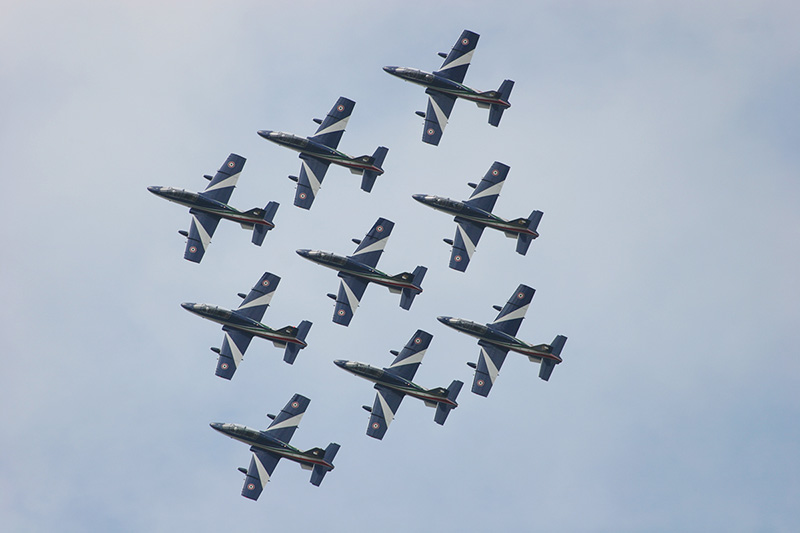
point(444, 319)
point(304, 253)
point(216, 425)
point(341, 363)
point(390, 70)
point(422, 198)
point(189, 306)
point(155, 189)
point(265, 133)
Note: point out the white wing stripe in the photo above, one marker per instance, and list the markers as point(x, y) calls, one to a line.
point(205, 238)
point(489, 191)
point(388, 415)
point(312, 178)
point(465, 59)
point(351, 297)
point(416, 358)
point(493, 371)
point(374, 247)
point(441, 118)
point(468, 244)
point(288, 423)
point(264, 299)
point(262, 472)
point(230, 181)
point(235, 351)
point(513, 315)
point(336, 126)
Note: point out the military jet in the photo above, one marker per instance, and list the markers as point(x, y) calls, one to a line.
point(394, 382)
point(445, 85)
point(475, 214)
point(497, 338)
point(242, 324)
point(319, 151)
point(209, 206)
point(272, 445)
point(358, 270)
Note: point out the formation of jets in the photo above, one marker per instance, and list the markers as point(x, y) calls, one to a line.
point(356, 271)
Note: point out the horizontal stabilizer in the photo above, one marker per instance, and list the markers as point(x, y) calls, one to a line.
point(260, 230)
point(549, 364)
point(368, 179)
point(496, 110)
point(524, 241)
point(293, 349)
point(320, 470)
point(408, 295)
point(442, 410)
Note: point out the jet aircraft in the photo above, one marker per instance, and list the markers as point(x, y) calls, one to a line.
point(272, 445)
point(445, 85)
point(475, 214)
point(394, 382)
point(319, 151)
point(358, 270)
point(242, 324)
point(498, 337)
point(209, 206)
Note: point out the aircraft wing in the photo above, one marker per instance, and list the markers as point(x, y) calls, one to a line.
point(284, 425)
point(489, 362)
point(407, 362)
point(457, 61)
point(312, 172)
point(440, 106)
point(485, 194)
point(224, 181)
point(256, 302)
point(200, 233)
point(234, 345)
point(330, 131)
point(351, 289)
point(510, 317)
point(262, 464)
point(467, 236)
point(371, 247)
point(386, 404)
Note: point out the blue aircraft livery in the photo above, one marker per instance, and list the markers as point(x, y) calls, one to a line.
point(209, 206)
point(272, 445)
point(358, 270)
point(497, 338)
point(445, 85)
point(319, 151)
point(393, 383)
point(242, 324)
point(475, 214)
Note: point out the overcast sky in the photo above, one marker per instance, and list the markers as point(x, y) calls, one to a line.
point(659, 138)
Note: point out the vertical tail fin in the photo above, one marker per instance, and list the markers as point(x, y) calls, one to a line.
point(369, 176)
point(442, 410)
point(496, 110)
point(408, 295)
point(548, 364)
point(260, 230)
point(293, 349)
point(524, 241)
point(319, 471)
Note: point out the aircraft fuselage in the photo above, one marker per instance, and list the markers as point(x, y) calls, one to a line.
point(319, 151)
point(475, 215)
point(197, 202)
point(345, 265)
point(263, 441)
point(446, 86)
point(392, 381)
point(235, 320)
point(486, 333)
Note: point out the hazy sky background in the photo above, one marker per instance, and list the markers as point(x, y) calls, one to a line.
point(659, 138)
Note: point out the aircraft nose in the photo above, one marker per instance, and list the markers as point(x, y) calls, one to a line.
point(390, 70)
point(444, 320)
point(216, 425)
point(341, 363)
point(265, 133)
point(189, 306)
point(303, 252)
point(155, 189)
point(420, 197)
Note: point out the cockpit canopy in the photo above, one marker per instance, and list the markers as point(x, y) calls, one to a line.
point(415, 74)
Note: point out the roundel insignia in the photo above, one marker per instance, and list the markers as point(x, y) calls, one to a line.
point(379, 229)
point(457, 259)
point(521, 295)
point(340, 312)
point(480, 383)
point(302, 196)
point(430, 131)
point(417, 340)
point(375, 425)
point(231, 164)
point(465, 42)
point(224, 366)
point(340, 108)
point(265, 283)
point(192, 249)
point(295, 405)
point(250, 486)
point(495, 172)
